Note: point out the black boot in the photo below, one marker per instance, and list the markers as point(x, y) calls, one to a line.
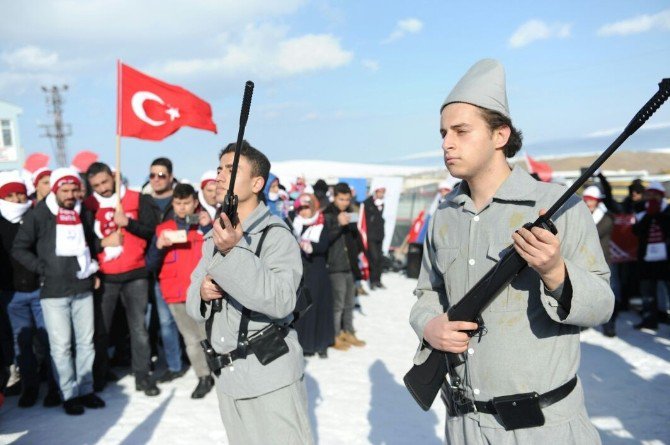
point(29, 396)
point(169, 376)
point(647, 323)
point(52, 398)
point(92, 401)
point(205, 385)
point(73, 407)
point(146, 384)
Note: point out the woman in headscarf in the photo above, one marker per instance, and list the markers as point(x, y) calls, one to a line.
point(315, 327)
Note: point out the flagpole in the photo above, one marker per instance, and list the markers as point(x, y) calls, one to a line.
point(118, 134)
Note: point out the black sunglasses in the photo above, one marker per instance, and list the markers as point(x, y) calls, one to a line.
point(159, 174)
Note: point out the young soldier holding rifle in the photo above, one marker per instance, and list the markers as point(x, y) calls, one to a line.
point(528, 346)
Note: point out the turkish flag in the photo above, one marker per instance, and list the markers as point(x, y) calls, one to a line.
point(152, 109)
point(543, 170)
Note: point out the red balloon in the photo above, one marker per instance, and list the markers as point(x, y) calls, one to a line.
point(83, 160)
point(36, 161)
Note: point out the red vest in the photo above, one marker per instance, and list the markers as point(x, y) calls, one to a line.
point(179, 263)
point(134, 247)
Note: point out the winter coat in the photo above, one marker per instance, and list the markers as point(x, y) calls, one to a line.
point(35, 248)
point(374, 220)
point(345, 244)
point(13, 275)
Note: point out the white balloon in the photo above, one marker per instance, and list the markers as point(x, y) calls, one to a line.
point(137, 103)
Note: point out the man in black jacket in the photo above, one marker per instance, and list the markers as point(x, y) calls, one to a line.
point(653, 231)
point(21, 289)
point(54, 241)
point(345, 246)
point(374, 221)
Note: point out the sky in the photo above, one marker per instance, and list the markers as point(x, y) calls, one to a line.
point(340, 81)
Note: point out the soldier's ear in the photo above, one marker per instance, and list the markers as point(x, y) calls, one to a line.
point(257, 184)
point(501, 136)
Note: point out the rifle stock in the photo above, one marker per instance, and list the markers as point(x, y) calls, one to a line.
point(424, 381)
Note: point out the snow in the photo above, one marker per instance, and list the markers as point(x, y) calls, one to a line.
point(357, 397)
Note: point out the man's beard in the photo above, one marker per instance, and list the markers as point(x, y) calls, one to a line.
point(69, 204)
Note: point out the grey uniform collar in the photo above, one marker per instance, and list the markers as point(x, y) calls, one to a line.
point(518, 187)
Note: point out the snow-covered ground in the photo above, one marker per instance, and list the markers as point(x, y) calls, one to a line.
point(357, 397)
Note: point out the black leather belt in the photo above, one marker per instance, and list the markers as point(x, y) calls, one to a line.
point(217, 361)
point(546, 399)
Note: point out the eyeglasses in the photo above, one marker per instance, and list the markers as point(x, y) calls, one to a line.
point(161, 175)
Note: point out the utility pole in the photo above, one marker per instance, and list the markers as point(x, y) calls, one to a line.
point(59, 130)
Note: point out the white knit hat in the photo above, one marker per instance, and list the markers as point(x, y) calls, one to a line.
point(11, 182)
point(592, 192)
point(64, 175)
point(208, 176)
point(448, 183)
point(655, 185)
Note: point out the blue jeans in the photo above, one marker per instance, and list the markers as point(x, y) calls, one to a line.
point(62, 316)
point(25, 313)
point(168, 329)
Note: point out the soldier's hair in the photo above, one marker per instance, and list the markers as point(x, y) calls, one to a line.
point(260, 164)
point(163, 162)
point(183, 191)
point(341, 188)
point(98, 167)
point(495, 120)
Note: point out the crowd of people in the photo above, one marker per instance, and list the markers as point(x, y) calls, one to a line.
point(643, 217)
point(95, 275)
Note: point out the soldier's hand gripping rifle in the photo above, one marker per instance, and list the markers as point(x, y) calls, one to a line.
point(424, 381)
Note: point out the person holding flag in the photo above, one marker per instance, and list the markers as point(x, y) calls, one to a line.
point(123, 230)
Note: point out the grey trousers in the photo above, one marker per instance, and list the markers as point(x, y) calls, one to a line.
point(577, 431)
point(193, 334)
point(278, 417)
point(344, 291)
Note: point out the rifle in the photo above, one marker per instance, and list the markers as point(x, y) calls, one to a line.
point(425, 380)
point(229, 205)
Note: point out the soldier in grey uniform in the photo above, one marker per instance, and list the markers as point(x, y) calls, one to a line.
point(259, 404)
point(530, 340)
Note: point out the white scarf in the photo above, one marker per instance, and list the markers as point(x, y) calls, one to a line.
point(13, 211)
point(110, 252)
point(210, 209)
point(599, 213)
point(70, 240)
point(380, 204)
point(313, 231)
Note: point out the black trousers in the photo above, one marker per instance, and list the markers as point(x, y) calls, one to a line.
point(134, 296)
point(375, 258)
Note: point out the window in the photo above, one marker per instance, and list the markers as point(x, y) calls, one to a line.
point(6, 127)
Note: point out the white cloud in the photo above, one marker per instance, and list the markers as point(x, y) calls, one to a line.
point(267, 52)
point(29, 58)
point(534, 30)
point(618, 130)
point(101, 22)
point(404, 27)
point(637, 24)
point(370, 65)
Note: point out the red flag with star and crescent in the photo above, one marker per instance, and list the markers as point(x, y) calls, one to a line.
point(149, 108)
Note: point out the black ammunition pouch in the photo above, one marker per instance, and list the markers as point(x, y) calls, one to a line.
point(269, 343)
point(519, 410)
